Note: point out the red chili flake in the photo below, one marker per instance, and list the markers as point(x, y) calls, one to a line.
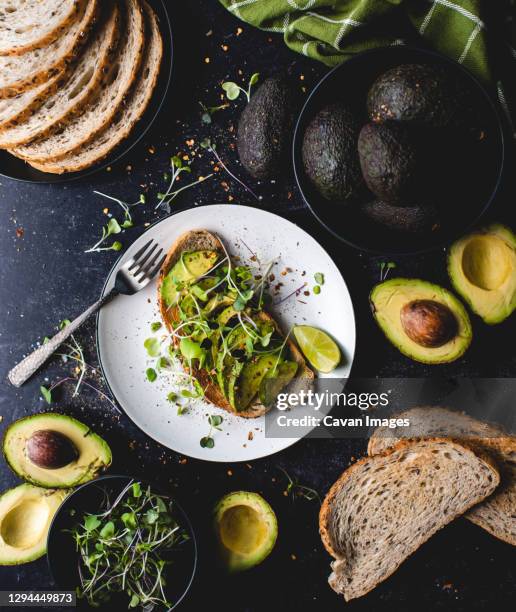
point(19, 232)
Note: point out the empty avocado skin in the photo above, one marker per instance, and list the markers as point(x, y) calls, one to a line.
point(265, 129)
point(395, 163)
point(409, 219)
point(330, 154)
point(414, 92)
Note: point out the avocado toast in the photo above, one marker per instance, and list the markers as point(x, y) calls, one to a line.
point(224, 338)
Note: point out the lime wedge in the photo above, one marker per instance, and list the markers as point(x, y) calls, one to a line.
point(320, 350)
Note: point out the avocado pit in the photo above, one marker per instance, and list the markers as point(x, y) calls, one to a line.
point(50, 450)
point(428, 323)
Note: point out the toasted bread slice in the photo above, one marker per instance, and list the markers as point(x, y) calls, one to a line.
point(127, 117)
point(18, 73)
point(103, 107)
point(497, 514)
point(201, 240)
point(77, 87)
point(33, 24)
point(384, 507)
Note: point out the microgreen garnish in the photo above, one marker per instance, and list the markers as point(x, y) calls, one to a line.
point(211, 148)
point(112, 227)
point(316, 290)
point(319, 278)
point(172, 397)
point(177, 167)
point(208, 111)
point(126, 547)
point(46, 394)
point(294, 490)
point(152, 346)
point(151, 374)
point(385, 268)
point(215, 421)
point(156, 326)
point(128, 220)
point(233, 90)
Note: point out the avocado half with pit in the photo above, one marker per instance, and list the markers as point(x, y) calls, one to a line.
point(25, 516)
point(246, 529)
point(54, 450)
point(482, 268)
point(424, 321)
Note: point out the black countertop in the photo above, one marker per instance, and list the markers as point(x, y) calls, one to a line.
point(45, 277)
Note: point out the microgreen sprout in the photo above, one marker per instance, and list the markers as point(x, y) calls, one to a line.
point(215, 421)
point(294, 490)
point(211, 147)
point(233, 90)
point(385, 268)
point(208, 111)
point(112, 227)
point(177, 167)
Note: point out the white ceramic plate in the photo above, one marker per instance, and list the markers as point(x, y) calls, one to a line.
point(124, 324)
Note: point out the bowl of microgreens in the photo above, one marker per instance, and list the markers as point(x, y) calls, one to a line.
point(116, 541)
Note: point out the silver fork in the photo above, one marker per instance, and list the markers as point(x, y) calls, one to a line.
point(133, 276)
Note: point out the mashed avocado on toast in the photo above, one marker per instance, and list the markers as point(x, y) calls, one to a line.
point(213, 306)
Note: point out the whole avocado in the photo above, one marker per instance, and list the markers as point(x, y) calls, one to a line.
point(414, 92)
point(330, 154)
point(413, 219)
point(265, 129)
point(395, 163)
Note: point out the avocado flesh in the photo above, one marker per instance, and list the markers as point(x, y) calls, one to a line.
point(93, 453)
point(482, 269)
point(414, 92)
point(251, 379)
point(25, 516)
point(407, 219)
point(264, 130)
point(330, 154)
point(191, 266)
point(389, 298)
point(276, 380)
point(246, 529)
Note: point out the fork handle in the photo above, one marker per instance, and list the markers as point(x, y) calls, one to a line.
point(28, 366)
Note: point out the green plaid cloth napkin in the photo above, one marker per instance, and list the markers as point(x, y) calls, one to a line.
point(333, 30)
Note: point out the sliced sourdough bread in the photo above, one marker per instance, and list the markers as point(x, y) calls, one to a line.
point(77, 87)
point(32, 24)
point(202, 240)
point(497, 514)
point(384, 507)
point(21, 72)
point(102, 108)
point(126, 118)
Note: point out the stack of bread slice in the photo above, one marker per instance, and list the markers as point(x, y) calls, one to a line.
point(416, 480)
point(75, 78)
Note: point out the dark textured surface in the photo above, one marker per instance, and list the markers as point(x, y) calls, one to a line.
point(46, 277)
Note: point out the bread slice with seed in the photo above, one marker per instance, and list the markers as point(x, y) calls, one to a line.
point(203, 240)
point(19, 73)
point(127, 117)
point(101, 110)
point(497, 514)
point(32, 24)
point(77, 87)
point(384, 507)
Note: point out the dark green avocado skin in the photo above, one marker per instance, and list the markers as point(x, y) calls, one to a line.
point(265, 129)
point(414, 92)
point(406, 219)
point(330, 155)
point(393, 157)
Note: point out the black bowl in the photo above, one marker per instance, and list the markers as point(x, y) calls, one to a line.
point(349, 84)
point(14, 168)
point(62, 556)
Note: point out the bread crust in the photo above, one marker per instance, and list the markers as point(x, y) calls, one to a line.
point(197, 240)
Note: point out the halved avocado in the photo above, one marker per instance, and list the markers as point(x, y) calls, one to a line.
point(191, 266)
point(54, 450)
point(25, 516)
point(424, 321)
point(482, 268)
point(246, 529)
